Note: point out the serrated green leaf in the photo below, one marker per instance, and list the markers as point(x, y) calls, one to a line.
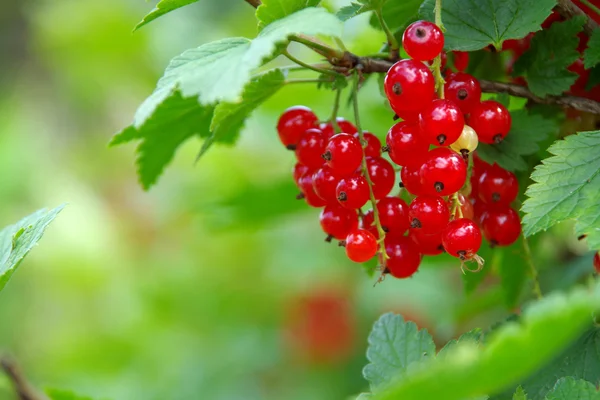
point(359, 7)
point(163, 7)
point(551, 52)
point(272, 10)
point(526, 132)
point(591, 55)
point(173, 122)
point(474, 337)
point(569, 388)
point(519, 394)
point(347, 12)
point(473, 24)
point(17, 240)
point(59, 394)
point(397, 14)
point(567, 186)
point(394, 344)
point(514, 351)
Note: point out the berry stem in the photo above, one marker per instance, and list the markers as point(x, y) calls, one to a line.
point(437, 62)
point(381, 253)
point(289, 81)
point(324, 50)
point(308, 66)
point(456, 206)
point(532, 270)
point(392, 41)
point(334, 112)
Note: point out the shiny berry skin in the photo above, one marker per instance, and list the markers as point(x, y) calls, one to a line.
point(353, 192)
point(299, 170)
point(430, 245)
point(343, 154)
point(597, 262)
point(305, 183)
point(410, 178)
point(501, 226)
point(467, 142)
point(409, 116)
point(311, 147)
point(423, 40)
point(444, 171)
point(325, 182)
point(361, 245)
point(464, 90)
point(294, 122)
point(345, 127)
point(406, 145)
point(461, 60)
point(373, 148)
point(462, 238)
point(382, 176)
point(498, 186)
point(409, 86)
point(428, 214)
point(479, 167)
point(338, 221)
point(441, 122)
point(491, 120)
point(404, 258)
point(393, 215)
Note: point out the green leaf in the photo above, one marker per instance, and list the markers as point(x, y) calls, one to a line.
point(174, 121)
point(520, 394)
point(591, 55)
point(17, 240)
point(347, 12)
point(526, 132)
point(474, 337)
point(394, 344)
point(567, 186)
point(594, 78)
point(59, 394)
point(512, 269)
point(397, 14)
point(514, 351)
point(272, 10)
point(572, 389)
point(163, 7)
point(474, 24)
point(552, 51)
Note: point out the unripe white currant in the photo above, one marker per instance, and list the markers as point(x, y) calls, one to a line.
point(467, 142)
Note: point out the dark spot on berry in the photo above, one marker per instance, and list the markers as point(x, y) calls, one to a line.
point(329, 238)
point(326, 156)
point(441, 139)
point(441, 248)
point(385, 149)
point(462, 94)
point(396, 117)
point(299, 196)
point(291, 147)
point(415, 223)
point(343, 196)
point(420, 32)
point(385, 229)
point(462, 254)
point(397, 89)
point(386, 270)
point(401, 184)
point(438, 186)
point(493, 243)
point(497, 139)
point(495, 197)
point(342, 243)
point(465, 154)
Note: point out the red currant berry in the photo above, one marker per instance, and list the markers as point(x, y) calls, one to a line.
point(597, 262)
point(393, 215)
point(353, 192)
point(441, 122)
point(479, 167)
point(294, 122)
point(461, 60)
point(373, 148)
point(429, 214)
point(310, 148)
point(325, 182)
point(298, 171)
point(382, 176)
point(405, 144)
point(430, 245)
point(338, 221)
point(410, 179)
point(343, 154)
point(361, 245)
point(423, 40)
point(498, 186)
point(409, 86)
point(409, 116)
point(368, 223)
point(491, 120)
point(308, 192)
point(404, 258)
point(464, 90)
point(501, 227)
point(462, 238)
point(344, 126)
point(444, 170)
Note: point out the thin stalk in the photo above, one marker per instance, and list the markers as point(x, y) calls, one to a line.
point(382, 254)
point(532, 270)
point(334, 112)
point(320, 48)
point(394, 45)
point(290, 81)
point(308, 66)
point(456, 206)
point(437, 62)
point(591, 6)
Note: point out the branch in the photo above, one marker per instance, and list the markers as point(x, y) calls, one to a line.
point(578, 103)
point(24, 390)
point(254, 3)
point(567, 9)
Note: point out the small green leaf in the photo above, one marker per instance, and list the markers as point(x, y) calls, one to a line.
point(347, 12)
point(519, 394)
point(591, 55)
point(17, 240)
point(572, 389)
point(567, 186)
point(163, 7)
point(59, 394)
point(526, 132)
point(474, 24)
point(397, 14)
point(272, 10)
point(394, 344)
point(552, 51)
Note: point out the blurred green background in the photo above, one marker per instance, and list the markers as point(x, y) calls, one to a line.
point(214, 284)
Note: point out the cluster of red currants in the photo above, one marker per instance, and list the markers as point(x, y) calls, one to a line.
point(341, 173)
